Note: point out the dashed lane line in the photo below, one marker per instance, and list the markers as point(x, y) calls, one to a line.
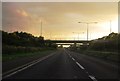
point(73, 59)
point(92, 77)
point(80, 65)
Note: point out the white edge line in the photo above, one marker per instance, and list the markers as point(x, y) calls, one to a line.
point(80, 65)
point(34, 62)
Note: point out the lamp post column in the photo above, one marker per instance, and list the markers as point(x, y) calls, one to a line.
point(41, 29)
point(87, 31)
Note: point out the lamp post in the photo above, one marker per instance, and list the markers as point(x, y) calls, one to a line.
point(78, 34)
point(88, 27)
point(74, 35)
point(41, 29)
point(110, 25)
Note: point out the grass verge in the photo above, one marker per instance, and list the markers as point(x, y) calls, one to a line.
point(8, 57)
point(111, 56)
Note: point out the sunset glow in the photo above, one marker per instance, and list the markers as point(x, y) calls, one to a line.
point(60, 19)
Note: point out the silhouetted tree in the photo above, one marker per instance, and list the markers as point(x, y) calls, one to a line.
point(106, 43)
point(24, 39)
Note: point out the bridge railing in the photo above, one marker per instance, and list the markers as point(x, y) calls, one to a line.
point(69, 41)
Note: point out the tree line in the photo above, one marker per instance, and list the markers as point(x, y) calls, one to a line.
point(24, 39)
point(106, 43)
point(23, 42)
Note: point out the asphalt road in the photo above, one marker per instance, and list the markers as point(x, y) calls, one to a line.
point(65, 64)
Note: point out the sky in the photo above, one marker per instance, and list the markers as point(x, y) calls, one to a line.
point(60, 19)
point(60, 0)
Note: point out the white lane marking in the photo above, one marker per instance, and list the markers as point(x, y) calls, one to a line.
point(70, 56)
point(80, 65)
point(10, 75)
point(92, 77)
point(21, 68)
point(87, 72)
point(73, 59)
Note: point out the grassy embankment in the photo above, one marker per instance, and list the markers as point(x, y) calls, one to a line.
point(106, 47)
point(106, 55)
point(12, 52)
point(22, 44)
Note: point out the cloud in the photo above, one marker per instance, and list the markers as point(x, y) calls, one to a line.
point(22, 12)
point(57, 17)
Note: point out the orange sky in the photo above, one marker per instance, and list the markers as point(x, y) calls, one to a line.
point(60, 19)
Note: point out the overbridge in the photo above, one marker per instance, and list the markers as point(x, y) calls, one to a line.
point(69, 41)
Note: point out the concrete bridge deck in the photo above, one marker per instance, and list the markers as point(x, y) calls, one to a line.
point(69, 41)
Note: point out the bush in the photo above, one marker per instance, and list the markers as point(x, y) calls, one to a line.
point(107, 43)
point(18, 49)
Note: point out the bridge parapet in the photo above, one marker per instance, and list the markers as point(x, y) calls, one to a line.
point(69, 41)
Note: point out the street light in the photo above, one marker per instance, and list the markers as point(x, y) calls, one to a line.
point(88, 26)
point(41, 29)
point(110, 25)
point(78, 34)
point(74, 36)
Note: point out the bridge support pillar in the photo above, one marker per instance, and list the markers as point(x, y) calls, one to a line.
point(75, 45)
